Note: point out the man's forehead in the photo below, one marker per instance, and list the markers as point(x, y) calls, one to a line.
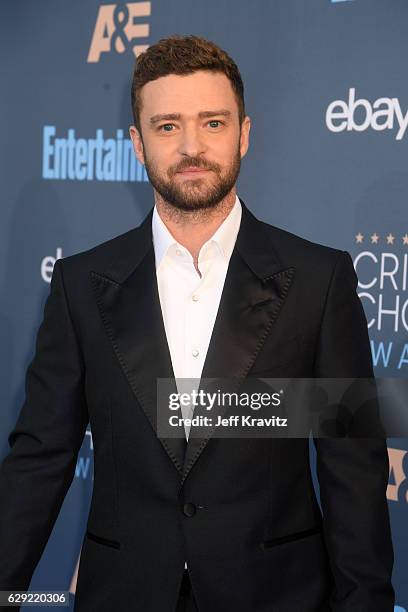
point(204, 76)
point(201, 92)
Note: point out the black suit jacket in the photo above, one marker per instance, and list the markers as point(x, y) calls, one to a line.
point(243, 512)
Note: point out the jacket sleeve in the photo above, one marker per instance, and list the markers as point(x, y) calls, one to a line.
point(38, 470)
point(352, 472)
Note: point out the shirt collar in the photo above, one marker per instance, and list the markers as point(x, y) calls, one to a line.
point(224, 237)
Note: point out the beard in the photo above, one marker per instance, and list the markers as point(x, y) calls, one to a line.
point(196, 193)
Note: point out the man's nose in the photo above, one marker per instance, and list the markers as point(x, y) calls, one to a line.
point(191, 142)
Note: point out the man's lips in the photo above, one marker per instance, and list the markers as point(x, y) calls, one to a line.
point(193, 171)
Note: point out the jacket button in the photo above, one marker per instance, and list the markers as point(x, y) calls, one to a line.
point(189, 509)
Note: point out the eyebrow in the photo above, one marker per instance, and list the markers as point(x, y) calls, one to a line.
point(177, 116)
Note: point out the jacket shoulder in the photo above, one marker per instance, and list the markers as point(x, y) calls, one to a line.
point(298, 251)
point(102, 254)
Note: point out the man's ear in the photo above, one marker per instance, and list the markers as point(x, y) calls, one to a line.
point(137, 143)
point(244, 139)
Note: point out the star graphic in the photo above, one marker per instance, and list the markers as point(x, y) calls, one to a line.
point(359, 237)
point(405, 239)
point(374, 238)
point(390, 238)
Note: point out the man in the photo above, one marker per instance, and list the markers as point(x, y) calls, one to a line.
point(201, 288)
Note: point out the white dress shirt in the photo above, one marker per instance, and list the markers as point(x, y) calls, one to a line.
point(189, 303)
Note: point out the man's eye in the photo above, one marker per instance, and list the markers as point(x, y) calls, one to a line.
point(163, 128)
point(166, 125)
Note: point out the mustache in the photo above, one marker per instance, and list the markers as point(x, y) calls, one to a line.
point(194, 163)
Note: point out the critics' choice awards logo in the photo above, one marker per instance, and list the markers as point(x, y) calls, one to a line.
point(382, 269)
point(118, 28)
point(359, 114)
point(84, 469)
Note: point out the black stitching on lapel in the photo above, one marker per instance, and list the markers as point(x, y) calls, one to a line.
point(290, 273)
point(122, 362)
point(262, 303)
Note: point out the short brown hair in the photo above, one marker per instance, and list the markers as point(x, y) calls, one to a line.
point(183, 55)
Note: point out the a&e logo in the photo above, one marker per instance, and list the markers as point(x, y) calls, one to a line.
point(397, 489)
point(116, 29)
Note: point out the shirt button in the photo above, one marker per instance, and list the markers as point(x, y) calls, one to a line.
point(195, 353)
point(195, 297)
point(178, 252)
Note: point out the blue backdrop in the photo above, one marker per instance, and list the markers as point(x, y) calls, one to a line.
point(328, 100)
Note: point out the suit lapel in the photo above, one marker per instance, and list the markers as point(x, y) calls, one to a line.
point(126, 291)
point(254, 292)
point(129, 305)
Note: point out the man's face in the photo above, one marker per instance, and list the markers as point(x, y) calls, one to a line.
point(191, 142)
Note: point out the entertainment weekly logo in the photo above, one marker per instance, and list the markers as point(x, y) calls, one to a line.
point(360, 115)
point(116, 29)
point(102, 157)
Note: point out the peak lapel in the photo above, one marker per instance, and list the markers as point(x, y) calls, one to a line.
point(254, 292)
point(126, 291)
point(129, 305)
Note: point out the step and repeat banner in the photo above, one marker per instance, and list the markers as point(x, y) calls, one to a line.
point(328, 99)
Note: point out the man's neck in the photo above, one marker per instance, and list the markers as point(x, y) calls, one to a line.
point(193, 228)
